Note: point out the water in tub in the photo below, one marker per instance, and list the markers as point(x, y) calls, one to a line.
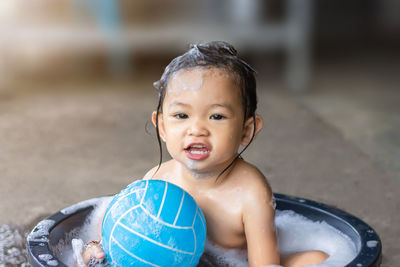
point(296, 233)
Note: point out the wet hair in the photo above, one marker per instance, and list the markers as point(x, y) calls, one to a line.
point(220, 55)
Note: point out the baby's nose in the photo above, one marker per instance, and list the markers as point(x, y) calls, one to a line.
point(198, 128)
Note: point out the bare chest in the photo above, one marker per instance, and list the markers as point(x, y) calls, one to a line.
point(222, 209)
point(223, 213)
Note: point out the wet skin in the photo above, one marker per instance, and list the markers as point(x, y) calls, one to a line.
point(203, 128)
point(202, 123)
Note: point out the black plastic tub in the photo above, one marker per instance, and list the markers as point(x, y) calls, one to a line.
point(47, 234)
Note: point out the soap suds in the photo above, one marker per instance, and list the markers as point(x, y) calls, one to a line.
point(295, 233)
point(41, 230)
point(273, 202)
point(192, 80)
point(91, 230)
point(48, 259)
point(77, 248)
point(80, 205)
point(372, 243)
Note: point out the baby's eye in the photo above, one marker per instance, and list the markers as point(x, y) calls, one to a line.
point(217, 117)
point(181, 116)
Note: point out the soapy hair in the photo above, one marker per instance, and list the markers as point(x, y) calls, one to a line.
point(220, 55)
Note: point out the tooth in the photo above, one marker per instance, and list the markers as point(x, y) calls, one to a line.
point(197, 152)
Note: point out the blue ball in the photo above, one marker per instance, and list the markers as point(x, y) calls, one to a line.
point(153, 223)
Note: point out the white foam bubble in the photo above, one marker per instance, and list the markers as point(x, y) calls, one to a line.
point(189, 80)
point(77, 248)
point(91, 229)
point(63, 250)
point(226, 257)
point(48, 259)
point(74, 208)
point(273, 202)
point(45, 257)
point(40, 231)
point(372, 243)
point(191, 164)
point(297, 233)
point(52, 262)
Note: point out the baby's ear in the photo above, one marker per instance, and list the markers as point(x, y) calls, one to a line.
point(249, 128)
point(160, 123)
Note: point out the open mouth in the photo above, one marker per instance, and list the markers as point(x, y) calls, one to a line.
point(197, 151)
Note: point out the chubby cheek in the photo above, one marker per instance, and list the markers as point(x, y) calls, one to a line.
point(173, 129)
point(228, 143)
point(228, 149)
point(173, 138)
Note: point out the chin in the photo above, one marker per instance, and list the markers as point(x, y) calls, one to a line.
point(196, 169)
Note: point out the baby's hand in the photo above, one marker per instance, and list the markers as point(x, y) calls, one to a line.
point(93, 251)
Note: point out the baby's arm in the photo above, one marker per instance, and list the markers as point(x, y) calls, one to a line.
point(93, 250)
point(258, 220)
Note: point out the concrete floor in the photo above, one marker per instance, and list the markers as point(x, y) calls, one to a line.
point(337, 144)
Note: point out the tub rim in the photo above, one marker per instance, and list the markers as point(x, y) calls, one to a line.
point(366, 256)
point(38, 243)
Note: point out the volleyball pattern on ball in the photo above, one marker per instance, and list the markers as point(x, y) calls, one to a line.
point(153, 223)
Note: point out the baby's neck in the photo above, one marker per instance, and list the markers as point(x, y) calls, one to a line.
point(202, 179)
point(192, 175)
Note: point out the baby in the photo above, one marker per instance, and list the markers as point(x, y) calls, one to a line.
point(205, 113)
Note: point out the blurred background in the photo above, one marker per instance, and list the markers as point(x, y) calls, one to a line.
point(76, 97)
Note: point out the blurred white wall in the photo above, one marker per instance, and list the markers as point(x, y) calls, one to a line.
point(45, 37)
point(65, 38)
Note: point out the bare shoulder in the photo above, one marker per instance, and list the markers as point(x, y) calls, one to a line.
point(150, 173)
point(158, 172)
point(254, 184)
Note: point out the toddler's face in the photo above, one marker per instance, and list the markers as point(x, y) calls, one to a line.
point(202, 119)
